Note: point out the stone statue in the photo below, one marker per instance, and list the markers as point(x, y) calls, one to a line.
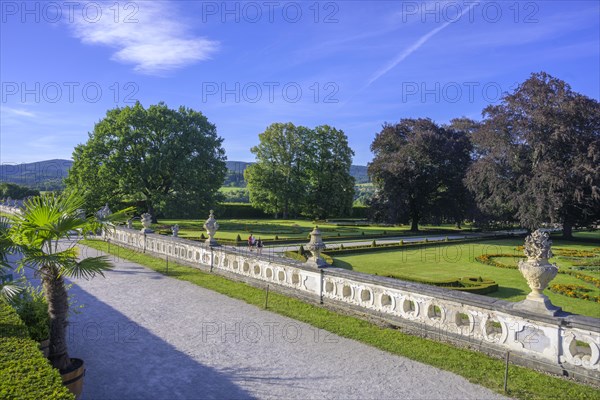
point(146, 223)
point(538, 272)
point(80, 213)
point(104, 212)
point(315, 246)
point(211, 225)
point(130, 223)
point(175, 230)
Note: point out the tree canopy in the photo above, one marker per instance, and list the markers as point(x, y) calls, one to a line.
point(418, 170)
point(169, 160)
point(16, 191)
point(301, 171)
point(537, 156)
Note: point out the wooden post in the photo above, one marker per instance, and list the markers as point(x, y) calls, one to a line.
point(506, 373)
point(267, 298)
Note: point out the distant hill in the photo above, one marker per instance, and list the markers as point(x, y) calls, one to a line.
point(235, 173)
point(41, 175)
point(48, 175)
point(359, 172)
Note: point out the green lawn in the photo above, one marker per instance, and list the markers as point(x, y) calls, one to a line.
point(226, 189)
point(458, 260)
point(284, 229)
point(588, 235)
point(476, 367)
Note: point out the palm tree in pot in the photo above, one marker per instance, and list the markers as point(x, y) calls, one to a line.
point(43, 235)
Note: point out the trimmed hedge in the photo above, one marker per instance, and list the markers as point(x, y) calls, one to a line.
point(488, 259)
point(395, 246)
point(245, 210)
point(477, 285)
point(24, 372)
point(360, 212)
point(299, 257)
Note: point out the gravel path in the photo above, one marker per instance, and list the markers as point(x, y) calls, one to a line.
point(147, 336)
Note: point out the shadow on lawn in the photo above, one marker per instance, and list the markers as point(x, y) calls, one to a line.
point(342, 264)
point(508, 292)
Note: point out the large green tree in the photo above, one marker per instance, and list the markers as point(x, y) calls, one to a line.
point(330, 187)
point(418, 170)
point(301, 171)
point(275, 181)
point(538, 156)
point(162, 157)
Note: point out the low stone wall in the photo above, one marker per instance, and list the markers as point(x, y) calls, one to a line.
point(567, 344)
point(9, 209)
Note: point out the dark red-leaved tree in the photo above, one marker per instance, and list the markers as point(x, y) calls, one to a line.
point(537, 156)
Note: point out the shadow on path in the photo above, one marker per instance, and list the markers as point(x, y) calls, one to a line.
point(126, 361)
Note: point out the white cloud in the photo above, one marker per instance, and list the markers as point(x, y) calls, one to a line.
point(155, 40)
point(17, 111)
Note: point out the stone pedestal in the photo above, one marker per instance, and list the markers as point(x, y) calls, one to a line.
point(316, 246)
point(538, 272)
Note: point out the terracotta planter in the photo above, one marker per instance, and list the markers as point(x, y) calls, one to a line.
point(73, 377)
point(44, 346)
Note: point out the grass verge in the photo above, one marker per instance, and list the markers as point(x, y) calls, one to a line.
point(476, 367)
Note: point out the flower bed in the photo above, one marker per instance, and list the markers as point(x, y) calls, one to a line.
point(476, 285)
point(574, 291)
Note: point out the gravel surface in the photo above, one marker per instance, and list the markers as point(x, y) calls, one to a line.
point(146, 336)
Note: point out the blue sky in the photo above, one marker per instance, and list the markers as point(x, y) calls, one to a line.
point(350, 64)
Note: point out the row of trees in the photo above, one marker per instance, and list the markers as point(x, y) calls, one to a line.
point(301, 171)
point(534, 158)
point(172, 161)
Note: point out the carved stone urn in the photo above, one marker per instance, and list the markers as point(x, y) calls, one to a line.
point(538, 272)
point(175, 230)
point(104, 212)
point(316, 246)
point(146, 223)
point(211, 225)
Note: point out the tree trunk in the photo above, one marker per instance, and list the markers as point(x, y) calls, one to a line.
point(567, 230)
point(58, 308)
point(414, 215)
point(151, 211)
point(414, 224)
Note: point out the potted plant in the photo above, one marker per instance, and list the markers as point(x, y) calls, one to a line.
point(42, 233)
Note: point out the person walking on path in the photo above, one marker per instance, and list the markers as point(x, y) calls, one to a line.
point(250, 242)
point(259, 246)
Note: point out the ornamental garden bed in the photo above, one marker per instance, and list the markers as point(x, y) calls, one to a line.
point(449, 261)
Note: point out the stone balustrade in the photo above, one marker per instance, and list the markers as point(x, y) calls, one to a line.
point(564, 344)
point(6, 209)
